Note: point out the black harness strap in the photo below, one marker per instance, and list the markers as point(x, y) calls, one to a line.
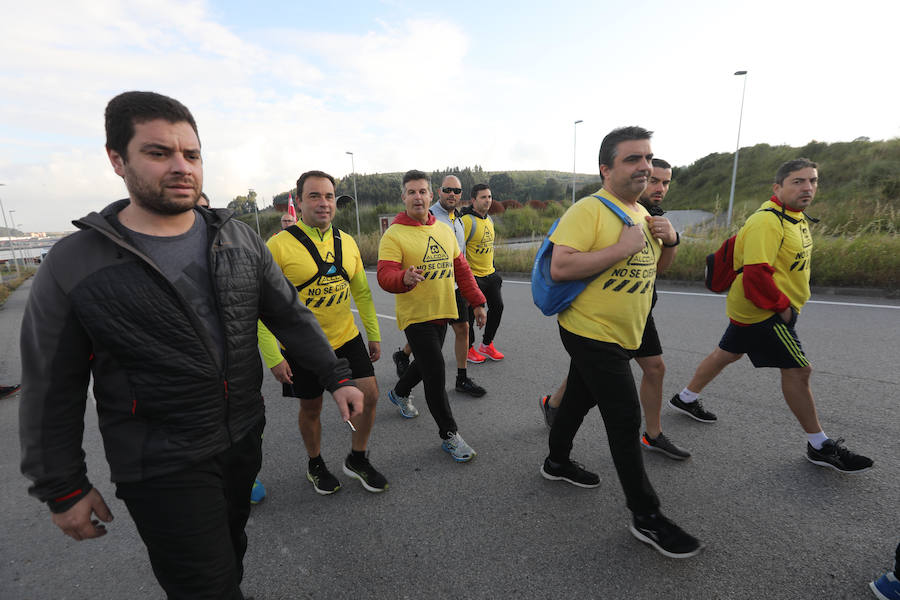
point(322, 266)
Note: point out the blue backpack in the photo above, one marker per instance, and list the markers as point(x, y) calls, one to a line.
point(553, 297)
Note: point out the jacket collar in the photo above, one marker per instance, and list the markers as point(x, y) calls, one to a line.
point(468, 210)
point(404, 219)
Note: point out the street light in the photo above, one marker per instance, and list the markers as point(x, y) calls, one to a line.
point(734, 170)
point(574, 145)
point(12, 251)
point(355, 196)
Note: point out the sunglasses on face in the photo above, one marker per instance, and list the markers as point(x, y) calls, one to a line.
point(450, 190)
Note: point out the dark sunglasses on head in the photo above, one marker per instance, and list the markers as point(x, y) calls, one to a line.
point(450, 190)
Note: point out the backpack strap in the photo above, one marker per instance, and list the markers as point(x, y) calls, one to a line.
point(322, 267)
point(471, 230)
point(782, 215)
point(613, 207)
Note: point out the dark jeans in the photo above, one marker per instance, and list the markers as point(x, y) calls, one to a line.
point(426, 341)
point(490, 287)
point(600, 375)
point(192, 521)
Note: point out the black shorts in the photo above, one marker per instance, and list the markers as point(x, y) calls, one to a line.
point(306, 383)
point(650, 345)
point(462, 308)
point(770, 343)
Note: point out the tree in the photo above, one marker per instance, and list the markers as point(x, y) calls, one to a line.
point(502, 186)
point(242, 205)
point(552, 190)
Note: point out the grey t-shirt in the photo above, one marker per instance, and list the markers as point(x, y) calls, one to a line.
point(183, 260)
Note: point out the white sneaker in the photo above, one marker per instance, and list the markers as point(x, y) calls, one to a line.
point(457, 447)
point(407, 410)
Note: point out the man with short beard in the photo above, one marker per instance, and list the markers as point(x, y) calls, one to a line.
point(158, 301)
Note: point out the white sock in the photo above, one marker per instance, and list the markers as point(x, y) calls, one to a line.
point(817, 439)
point(687, 396)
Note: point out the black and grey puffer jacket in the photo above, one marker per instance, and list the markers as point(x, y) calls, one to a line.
point(100, 307)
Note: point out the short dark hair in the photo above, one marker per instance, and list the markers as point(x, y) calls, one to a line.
point(414, 175)
point(203, 196)
point(660, 163)
point(302, 179)
point(610, 144)
point(793, 165)
point(130, 108)
point(477, 188)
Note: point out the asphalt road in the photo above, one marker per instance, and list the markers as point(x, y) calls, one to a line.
point(775, 526)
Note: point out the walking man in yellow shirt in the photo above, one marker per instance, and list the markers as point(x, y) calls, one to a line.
point(325, 266)
point(418, 260)
point(603, 327)
point(479, 232)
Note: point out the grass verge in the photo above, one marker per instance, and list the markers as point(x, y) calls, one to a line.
point(9, 285)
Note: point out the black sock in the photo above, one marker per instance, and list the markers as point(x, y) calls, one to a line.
point(460, 374)
point(316, 460)
point(357, 455)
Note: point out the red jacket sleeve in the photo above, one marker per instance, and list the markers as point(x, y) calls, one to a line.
point(760, 288)
point(466, 281)
point(390, 277)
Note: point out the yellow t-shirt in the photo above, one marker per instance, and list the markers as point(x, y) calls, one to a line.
point(431, 248)
point(479, 243)
point(328, 297)
point(760, 241)
point(613, 307)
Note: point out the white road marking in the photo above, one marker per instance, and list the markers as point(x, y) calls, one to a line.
point(722, 296)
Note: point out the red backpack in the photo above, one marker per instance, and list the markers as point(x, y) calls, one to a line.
point(720, 271)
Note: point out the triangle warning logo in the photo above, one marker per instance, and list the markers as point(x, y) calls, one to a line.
point(486, 238)
point(434, 251)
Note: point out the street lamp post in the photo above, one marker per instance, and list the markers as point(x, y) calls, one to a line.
point(737, 148)
point(15, 255)
point(355, 196)
point(12, 252)
point(574, 155)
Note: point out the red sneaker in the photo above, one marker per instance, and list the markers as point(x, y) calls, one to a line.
point(491, 352)
point(474, 357)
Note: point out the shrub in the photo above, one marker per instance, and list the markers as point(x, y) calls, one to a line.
point(511, 204)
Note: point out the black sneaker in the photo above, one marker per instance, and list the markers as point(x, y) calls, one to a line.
point(664, 445)
point(693, 409)
point(401, 361)
point(664, 535)
point(836, 456)
point(572, 472)
point(362, 469)
point(548, 411)
point(321, 478)
point(467, 386)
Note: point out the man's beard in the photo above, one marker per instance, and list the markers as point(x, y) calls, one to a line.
point(153, 197)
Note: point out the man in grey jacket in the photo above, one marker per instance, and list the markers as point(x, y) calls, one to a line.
point(158, 301)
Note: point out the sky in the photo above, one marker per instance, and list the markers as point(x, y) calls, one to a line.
point(278, 88)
